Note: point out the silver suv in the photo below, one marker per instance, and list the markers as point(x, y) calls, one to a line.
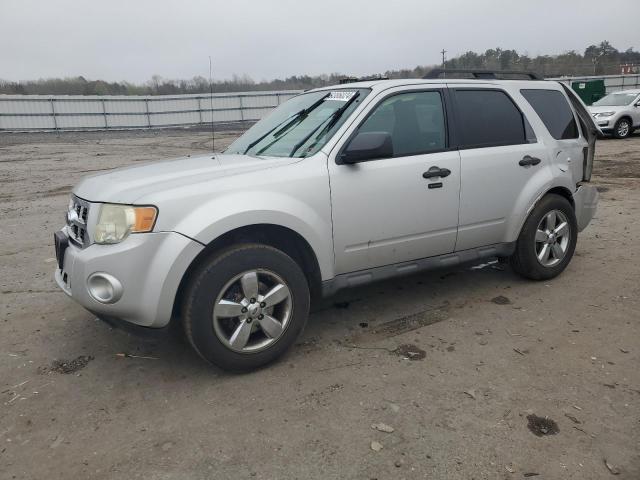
point(337, 187)
point(618, 113)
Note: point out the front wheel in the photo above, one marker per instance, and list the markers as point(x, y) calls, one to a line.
point(547, 240)
point(622, 128)
point(245, 306)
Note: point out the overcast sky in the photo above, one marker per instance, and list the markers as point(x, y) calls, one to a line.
point(135, 39)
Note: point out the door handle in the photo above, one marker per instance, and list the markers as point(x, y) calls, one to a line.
point(528, 160)
point(436, 172)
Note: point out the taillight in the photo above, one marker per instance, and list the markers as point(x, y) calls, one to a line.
point(587, 162)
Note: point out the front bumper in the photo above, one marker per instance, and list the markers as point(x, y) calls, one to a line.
point(586, 202)
point(149, 267)
point(604, 124)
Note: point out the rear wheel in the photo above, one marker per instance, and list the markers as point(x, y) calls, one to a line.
point(547, 240)
point(245, 306)
point(622, 128)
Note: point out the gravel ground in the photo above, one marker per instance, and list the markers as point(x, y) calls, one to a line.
point(480, 374)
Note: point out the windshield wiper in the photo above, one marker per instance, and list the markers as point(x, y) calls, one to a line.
point(335, 116)
point(288, 121)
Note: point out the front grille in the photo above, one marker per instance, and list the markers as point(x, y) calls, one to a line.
point(77, 216)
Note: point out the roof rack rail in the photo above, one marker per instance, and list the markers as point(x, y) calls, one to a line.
point(483, 74)
point(362, 79)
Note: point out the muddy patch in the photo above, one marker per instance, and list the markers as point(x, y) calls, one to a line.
point(321, 397)
point(67, 366)
point(64, 190)
point(411, 322)
point(410, 352)
point(371, 333)
point(501, 300)
point(541, 426)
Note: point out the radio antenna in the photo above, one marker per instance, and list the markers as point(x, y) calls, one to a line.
point(213, 133)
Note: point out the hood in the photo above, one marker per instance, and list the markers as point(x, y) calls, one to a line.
point(126, 185)
point(605, 108)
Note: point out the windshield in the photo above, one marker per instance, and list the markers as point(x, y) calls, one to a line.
point(616, 100)
point(301, 126)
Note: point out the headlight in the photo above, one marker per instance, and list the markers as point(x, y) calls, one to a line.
point(116, 222)
point(605, 114)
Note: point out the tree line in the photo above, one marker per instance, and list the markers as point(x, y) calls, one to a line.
point(601, 59)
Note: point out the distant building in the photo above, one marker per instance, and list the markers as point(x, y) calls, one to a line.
point(629, 69)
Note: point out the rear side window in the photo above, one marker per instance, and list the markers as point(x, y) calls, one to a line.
point(489, 118)
point(554, 111)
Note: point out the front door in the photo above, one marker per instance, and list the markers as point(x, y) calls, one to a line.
point(391, 210)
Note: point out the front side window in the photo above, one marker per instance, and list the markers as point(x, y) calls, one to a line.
point(415, 121)
point(301, 126)
point(554, 111)
point(489, 118)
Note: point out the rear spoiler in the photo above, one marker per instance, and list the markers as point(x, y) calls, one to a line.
point(590, 129)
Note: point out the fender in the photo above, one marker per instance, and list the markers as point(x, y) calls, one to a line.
point(231, 211)
point(529, 198)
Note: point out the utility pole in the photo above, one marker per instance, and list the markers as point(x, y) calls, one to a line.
point(443, 52)
point(213, 131)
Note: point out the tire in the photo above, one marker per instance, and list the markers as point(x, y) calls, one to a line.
point(537, 255)
point(262, 330)
point(623, 128)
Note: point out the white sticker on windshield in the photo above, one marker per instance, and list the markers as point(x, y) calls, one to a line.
point(340, 96)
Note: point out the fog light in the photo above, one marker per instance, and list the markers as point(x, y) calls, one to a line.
point(104, 288)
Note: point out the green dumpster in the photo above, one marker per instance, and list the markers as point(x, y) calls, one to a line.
point(589, 90)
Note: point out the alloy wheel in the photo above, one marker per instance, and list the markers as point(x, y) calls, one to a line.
point(623, 128)
point(252, 311)
point(552, 240)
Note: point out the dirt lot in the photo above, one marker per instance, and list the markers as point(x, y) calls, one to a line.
point(454, 361)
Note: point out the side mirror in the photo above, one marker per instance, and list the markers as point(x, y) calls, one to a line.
point(367, 146)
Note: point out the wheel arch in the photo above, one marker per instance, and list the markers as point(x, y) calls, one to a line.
point(626, 116)
point(560, 190)
point(277, 236)
point(563, 192)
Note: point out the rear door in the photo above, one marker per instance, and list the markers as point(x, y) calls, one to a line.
point(589, 129)
point(501, 163)
point(555, 112)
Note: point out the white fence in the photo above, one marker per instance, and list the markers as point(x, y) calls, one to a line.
point(75, 112)
point(612, 83)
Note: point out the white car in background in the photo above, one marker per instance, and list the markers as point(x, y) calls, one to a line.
point(618, 113)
